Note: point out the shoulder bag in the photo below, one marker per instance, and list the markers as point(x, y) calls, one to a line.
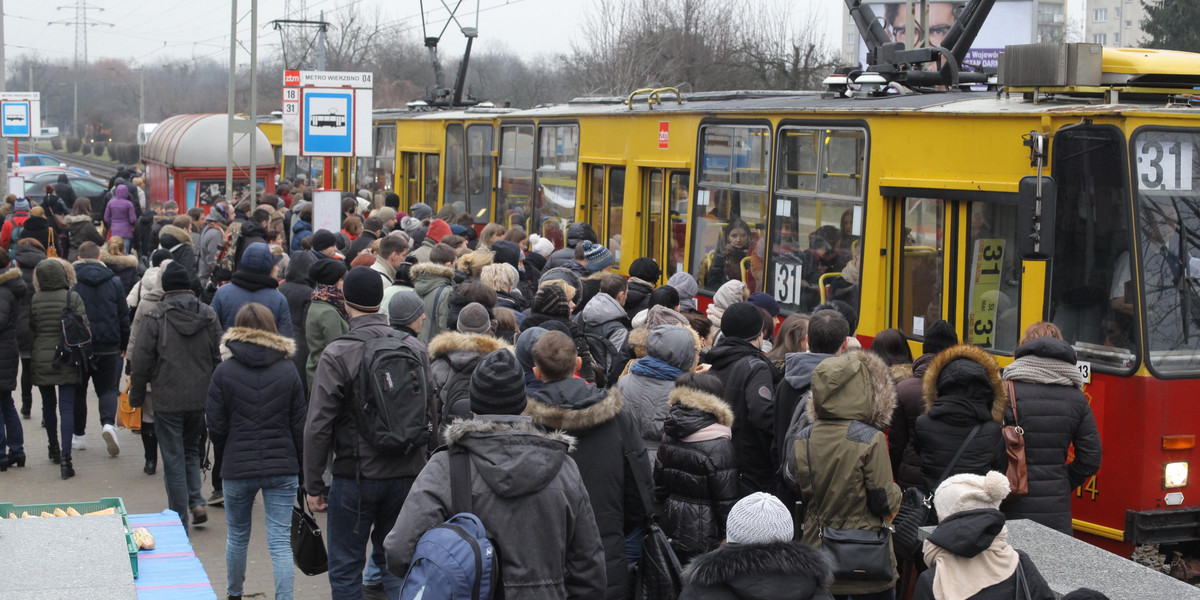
point(659, 574)
point(51, 249)
point(858, 554)
point(1014, 445)
point(915, 508)
point(308, 545)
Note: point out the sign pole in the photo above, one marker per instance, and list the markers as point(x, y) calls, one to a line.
point(328, 183)
point(254, 104)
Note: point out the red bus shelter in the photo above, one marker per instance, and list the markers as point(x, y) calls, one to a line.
point(185, 160)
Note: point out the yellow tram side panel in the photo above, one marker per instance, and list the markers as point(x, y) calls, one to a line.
point(423, 136)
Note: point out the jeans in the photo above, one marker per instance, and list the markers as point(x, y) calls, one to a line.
point(106, 374)
point(373, 574)
point(884, 595)
point(179, 441)
point(279, 494)
point(12, 437)
point(66, 408)
point(358, 511)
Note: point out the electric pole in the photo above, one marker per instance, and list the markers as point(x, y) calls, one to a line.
point(82, 21)
point(233, 23)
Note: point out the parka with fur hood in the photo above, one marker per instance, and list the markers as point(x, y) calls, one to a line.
point(453, 357)
point(12, 295)
point(962, 388)
point(434, 284)
point(53, 279)
point(778, 571)
point(124, 266)
point(850, 472)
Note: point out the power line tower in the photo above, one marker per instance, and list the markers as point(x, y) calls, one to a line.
point(296, 52)
point(82, 21)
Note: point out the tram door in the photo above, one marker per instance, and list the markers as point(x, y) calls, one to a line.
point(663, 218)
point(606, 207)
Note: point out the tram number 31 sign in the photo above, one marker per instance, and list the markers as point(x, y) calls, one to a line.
point(985, 291)
point(788, 283)
point(1164, 166)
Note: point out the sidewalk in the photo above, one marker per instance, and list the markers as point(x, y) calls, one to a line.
point(98, 475)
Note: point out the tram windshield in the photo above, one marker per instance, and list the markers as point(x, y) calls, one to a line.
point(1168, 204)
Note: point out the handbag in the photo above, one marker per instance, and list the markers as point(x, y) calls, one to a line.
point(659, 574)
point(308, 545)
point(51, 249)
point(1014, 445)
point(857, 554)
point(128, 417)
point(915, 508)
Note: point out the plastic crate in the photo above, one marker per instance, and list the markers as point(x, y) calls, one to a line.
point(8, 508)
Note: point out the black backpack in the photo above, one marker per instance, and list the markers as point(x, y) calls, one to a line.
point(604, 356)
point(390, 394)
point(455, 396)
point(75, 347)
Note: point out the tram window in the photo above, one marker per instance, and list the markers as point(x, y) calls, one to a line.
point(412, 179)
point(479, 172)
point(843, 157)
point(616, 208)
point(798, 160)
point(595, 200)
point(1168, 234)
point(731, 205)
point(513, 206)
point(677, 238)
point(385, 157)
point(1092, 294)
point(431, 179)
point(920, 283)
point(993, 278)
point(456, 169)
point(558, 152)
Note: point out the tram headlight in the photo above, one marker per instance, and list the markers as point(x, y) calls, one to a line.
point(1175, 474)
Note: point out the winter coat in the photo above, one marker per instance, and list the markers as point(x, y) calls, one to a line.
point(850, 407)
point(434, 284)
point(695, 478)
point(63, 190)
point(14, 220)
point(150, 292)
point(119, 214)
point(52, 282)
point(297, 289)
point(1054, 414)
point(211, 240)
point(527, 492)
point(301, 229)
point(605, 317)
point(793, 392)
point(12, 296)
point(452, 358)
point(421, 253)
point(255, 408)
point(637, 298)
point(27, 258)
point(910, 404)
point(79, 230)
point(969, 533)
point(251, 233)
point(108, 311)
point(124, 266)
point(330, 422)
point(646, 395)
point(178, 346)
point(144, 243)
point(962, 388)
point(605, 434)
point(749, 379)
point(778, 571)
point(587, 369)
point(231, 297)
point(322, 325)
point(362, 242)
point(182, 252)
point(36, 228)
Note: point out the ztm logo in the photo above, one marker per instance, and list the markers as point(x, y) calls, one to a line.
point(664, 135)
point(291, 78)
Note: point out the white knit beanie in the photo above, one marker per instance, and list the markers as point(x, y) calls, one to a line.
point(969, 492)
point(759, 518)
point(540, 245)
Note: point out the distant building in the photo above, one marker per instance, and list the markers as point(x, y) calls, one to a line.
point(1114, 22)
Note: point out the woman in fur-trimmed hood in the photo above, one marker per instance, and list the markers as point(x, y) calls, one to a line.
point(775, 571)
point(453, 357)
point(842, 468)
point(963, 389)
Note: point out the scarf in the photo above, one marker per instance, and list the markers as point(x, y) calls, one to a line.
point(715, 431)
point(1037, 369)
point(657, 368)
point(960, 578)
point(332, 295)
point(252, 281)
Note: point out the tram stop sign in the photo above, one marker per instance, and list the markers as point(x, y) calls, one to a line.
point(20, 114)
point(327, 113)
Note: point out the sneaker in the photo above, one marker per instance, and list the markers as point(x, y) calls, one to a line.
point(110, 439)
point(199, 515)
point(374, 591)
point(217, 498)
point(78, 442)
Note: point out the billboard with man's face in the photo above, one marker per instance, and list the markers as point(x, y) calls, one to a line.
point(1009, 22)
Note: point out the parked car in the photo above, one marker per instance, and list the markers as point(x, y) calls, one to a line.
point(43, 160)
point(36, 179)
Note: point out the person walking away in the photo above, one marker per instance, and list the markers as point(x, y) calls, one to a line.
point(37, 226)
point(108, 317)
point(123, 265)
point(695, 474)
point(910, 404)
point(12, 295)
point(179, 243)
point(605, 318)
point(212, 239)
point(176, 352)
point(327, 318)
point(643, 278)
point(369, 484)
point(15, 224)
point(256, 410)
point(968, 552)
point(759, 559)
point(80, 228)
point(842, 469)
point(297, 287)
point(254, 281)
point(534, 506)
point(149, 292)
point(26, 255)
point(120, 216)
point(55, 211)
point(671, 352)
point(1050, 407)
point(827, 331)
point(53, 279)
point(453, 356)
point(433, 281)
point(608, 447)
point(64, 189)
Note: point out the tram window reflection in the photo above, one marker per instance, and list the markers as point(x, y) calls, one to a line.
point(921, 263)
point(993, 278)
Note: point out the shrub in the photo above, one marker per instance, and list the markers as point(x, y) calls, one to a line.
point(98, 148)
point(74, 144)
point(86, 149)
point(56, 143)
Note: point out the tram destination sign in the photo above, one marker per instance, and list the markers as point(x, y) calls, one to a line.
point(327, 113)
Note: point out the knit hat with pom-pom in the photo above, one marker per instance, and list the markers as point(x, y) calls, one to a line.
point(970, 492)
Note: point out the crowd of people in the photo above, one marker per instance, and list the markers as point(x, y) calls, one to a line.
point(590, 406)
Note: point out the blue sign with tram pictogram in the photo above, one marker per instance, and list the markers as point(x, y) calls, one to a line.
point(327, 121)
point(15, 119)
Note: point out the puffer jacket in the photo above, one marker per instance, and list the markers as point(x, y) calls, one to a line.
point(108, 311)
point(182, 252)
point(637, 298)
point(962, 388)
point(605, 434)
point(27, 258)
point(12, 296)
point(124, 266)
point(80, 229)
point(695, 480)
point(605, 317)
point(52, 282)
point(528, 493)
point(749, 379)
point(910, 404)
point(434, 284)
point(149, 291)
point(1055, 415)
point(842, 457)
point(968, 534)
point(300, 230)
point(452, 358)
point(178, 346)
point(256, 405)
point(779, 571)
point(119, 213)
point(645, 389)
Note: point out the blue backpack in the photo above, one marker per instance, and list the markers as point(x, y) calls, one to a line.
point(455, 560)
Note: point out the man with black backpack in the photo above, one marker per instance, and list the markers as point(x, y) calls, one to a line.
point(372, 404)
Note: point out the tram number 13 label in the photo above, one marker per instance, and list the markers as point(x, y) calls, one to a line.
point(787, 283)
point(1164, 166)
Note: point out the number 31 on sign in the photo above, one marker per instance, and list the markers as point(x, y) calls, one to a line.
point(787, 283)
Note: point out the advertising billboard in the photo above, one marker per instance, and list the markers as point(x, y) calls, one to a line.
point(1009, 22)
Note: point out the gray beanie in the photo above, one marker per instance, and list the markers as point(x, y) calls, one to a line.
point(404, 308)
point(759, 518)
point(474, 318)
point(525, 343)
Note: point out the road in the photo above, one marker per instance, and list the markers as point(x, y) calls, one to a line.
point(99, 476)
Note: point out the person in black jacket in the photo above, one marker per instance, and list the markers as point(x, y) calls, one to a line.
point(297, 288)
point(695, 477)
point(576, 232)
point(1054, 414)
point(749, 379)
point(962, 389)
point(553, 302)
point(910, 404)
point(255, 410)
point(27, 254)
point(108, 316)
point(643, 277)
point(12, 294)
point(64, 190)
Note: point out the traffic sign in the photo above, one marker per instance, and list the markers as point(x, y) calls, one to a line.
point(327, 113)
point(20, 114)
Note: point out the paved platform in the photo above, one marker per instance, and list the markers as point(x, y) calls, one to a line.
point(67, 558)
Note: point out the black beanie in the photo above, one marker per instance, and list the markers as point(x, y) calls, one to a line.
point(551, 300)
point(742, 320)
point(645, 269)
point(938, 337)
point(327, 271)
point(158, 256)
point(175, 278)
point(363, 289)
point(498, 385)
